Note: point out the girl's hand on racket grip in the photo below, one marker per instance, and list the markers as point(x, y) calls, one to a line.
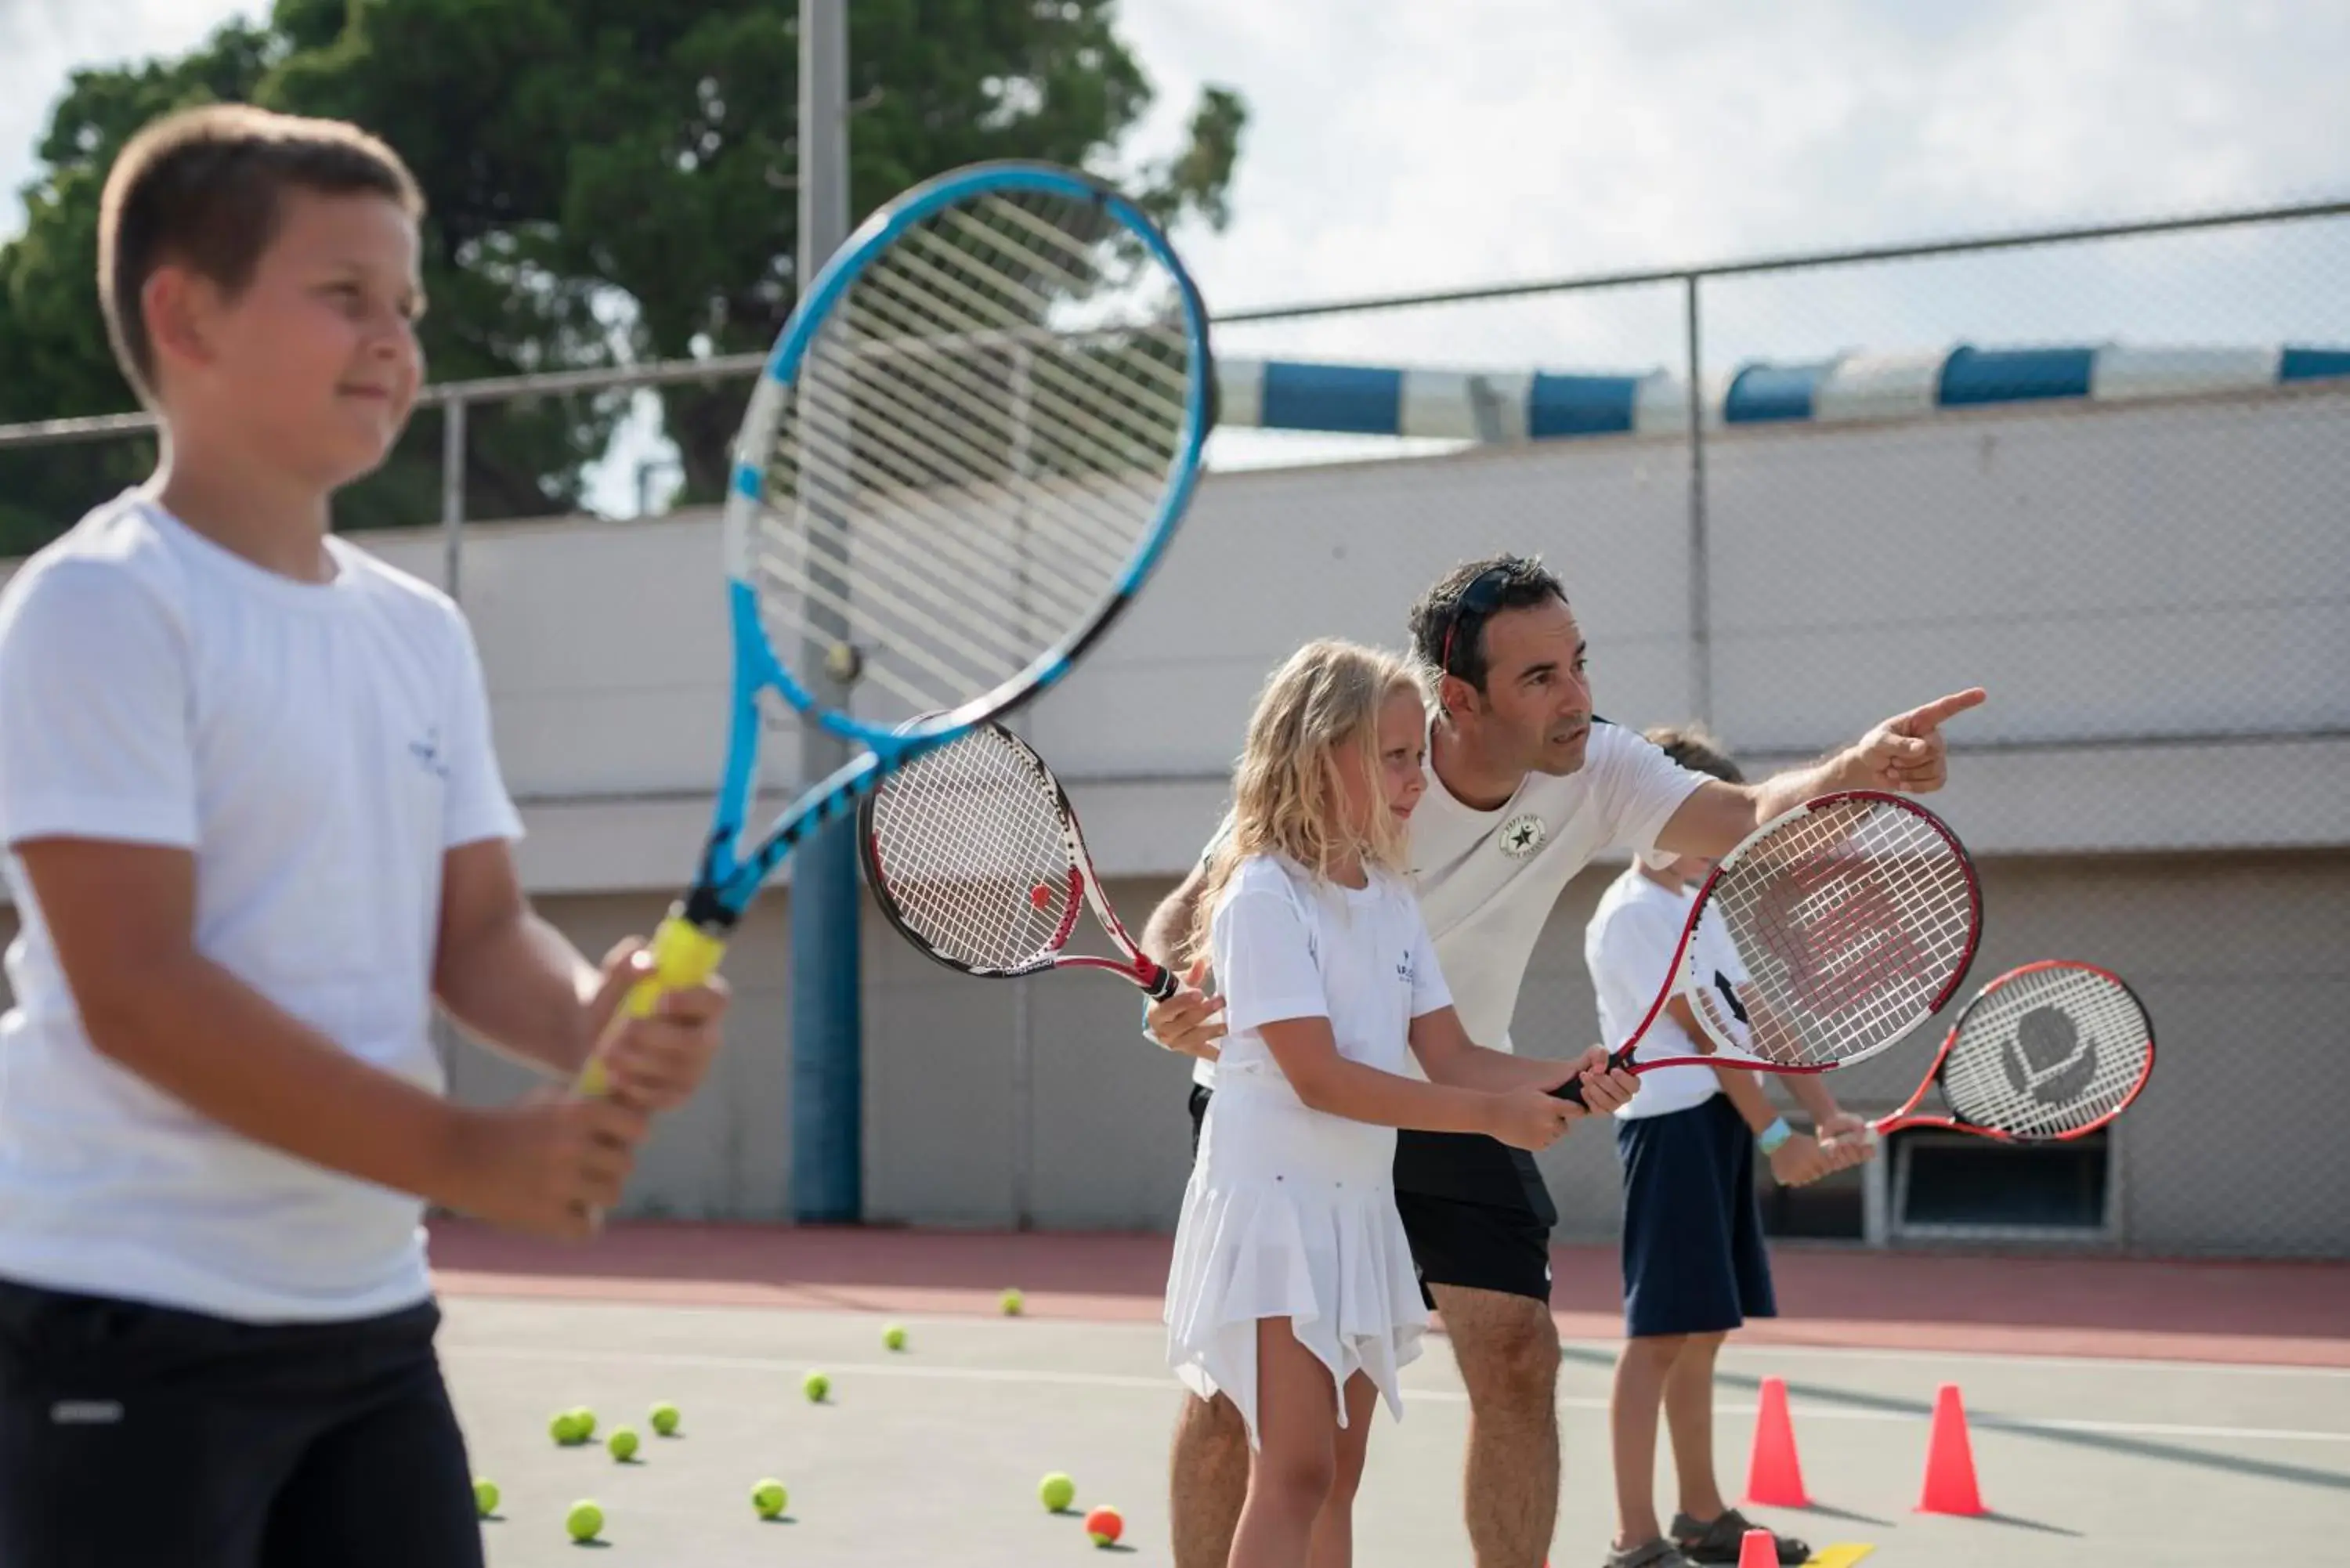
point(656, 1061)
point(1190, 1021)
point(549, 1166)
point(1845, 1139)
point(1531, 1118)
point(1591, 1083)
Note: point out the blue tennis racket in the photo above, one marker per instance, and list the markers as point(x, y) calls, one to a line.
point(968, 450)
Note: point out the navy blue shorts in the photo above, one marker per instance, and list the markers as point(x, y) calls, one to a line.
point(1693, 1256)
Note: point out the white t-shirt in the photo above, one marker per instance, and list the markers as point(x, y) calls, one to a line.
point(1489, 880)
point(1628, 947)
point(1285, 945)
point(318, 747)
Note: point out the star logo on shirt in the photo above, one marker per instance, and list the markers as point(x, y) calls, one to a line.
point(1521, 836)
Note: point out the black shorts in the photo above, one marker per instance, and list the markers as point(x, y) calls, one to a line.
point(133, 1436)
point(1694, 1261)
point(1474, 1210)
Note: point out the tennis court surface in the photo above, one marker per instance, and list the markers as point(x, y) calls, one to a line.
point(2120, 1412)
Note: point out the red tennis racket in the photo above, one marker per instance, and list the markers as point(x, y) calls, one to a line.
point(975, 855)
point(2046, 1053)
point(1855, 917)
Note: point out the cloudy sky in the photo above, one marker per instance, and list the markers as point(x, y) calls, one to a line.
point(1402, 146)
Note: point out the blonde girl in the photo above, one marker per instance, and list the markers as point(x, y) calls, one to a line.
point(1292, 1292)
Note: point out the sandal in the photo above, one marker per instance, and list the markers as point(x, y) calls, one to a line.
point(1719, 1541)
point(1657, 1554)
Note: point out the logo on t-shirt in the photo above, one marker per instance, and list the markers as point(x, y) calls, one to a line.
point(427, 753)
point(1523, 835)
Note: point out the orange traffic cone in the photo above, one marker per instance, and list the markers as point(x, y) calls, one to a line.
point(1773, 1475)
point(1758, 1549)
point(1949, 1460)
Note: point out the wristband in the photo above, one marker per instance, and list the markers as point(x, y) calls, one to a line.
point(1771, 1137)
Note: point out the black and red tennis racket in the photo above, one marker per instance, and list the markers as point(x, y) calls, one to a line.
point(2048, 1051)
point(1855, 917)
point(974, 854)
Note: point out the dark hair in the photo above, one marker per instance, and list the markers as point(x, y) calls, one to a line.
point(1448, 622)
point(200, 188)
point(1694, 749)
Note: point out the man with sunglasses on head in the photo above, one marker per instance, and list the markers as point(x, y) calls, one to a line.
point(1525, 787)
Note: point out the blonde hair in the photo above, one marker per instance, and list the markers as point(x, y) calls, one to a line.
point(1317, 714)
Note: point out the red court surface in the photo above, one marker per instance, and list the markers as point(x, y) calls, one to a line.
point(2271, 1314)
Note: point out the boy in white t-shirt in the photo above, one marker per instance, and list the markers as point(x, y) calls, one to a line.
point(1694, 1263)
point(255, 826)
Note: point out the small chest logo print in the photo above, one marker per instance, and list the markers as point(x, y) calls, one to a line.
point(427, 753)
point(85, 1413)
point(1403, 968)
point(1521, 836)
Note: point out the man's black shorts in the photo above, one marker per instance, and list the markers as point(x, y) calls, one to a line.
point(135, 1436)
point(1475, 1210)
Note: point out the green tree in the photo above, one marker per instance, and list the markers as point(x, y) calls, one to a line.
point(610, 182)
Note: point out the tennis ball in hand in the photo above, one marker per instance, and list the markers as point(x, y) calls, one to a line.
point(893, 1338)
point(622, 1442)
point(1105, 1525)
point(1011, 1304)
point(664, 1419)
point(816, 1385)
point(1056, 1491)
point(769, 1498)
point(584, 1522)
point(486, 1496)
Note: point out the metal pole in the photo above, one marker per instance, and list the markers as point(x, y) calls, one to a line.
point(827, 1087)
point(1700, 602)
point(453, 490)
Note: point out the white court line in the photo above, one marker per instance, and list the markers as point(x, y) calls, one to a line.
point(1813, 1411)
point(1994, 1358)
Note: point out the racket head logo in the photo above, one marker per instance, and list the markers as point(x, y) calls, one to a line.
point(2047, 1059)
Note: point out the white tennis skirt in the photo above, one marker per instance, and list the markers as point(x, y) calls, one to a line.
point(1290, 1212)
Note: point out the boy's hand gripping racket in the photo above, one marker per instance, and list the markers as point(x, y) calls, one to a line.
point(2048, 1051)
point(970, 447)
point(974, 854)
point(1855, 917)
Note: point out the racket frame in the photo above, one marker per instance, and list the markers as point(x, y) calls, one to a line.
point(1903, 1120)
point(1082, 888)
point(1682, 977)
point(690, 942)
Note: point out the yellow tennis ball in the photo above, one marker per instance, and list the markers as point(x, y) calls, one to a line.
point(816, 1385)
point(1013, 1303)
point(486, 1496)
point(1056, 1491)
point(664, 1419)
point(583, 1423)
point(769, 1498)
point(622, 1442)
point(893, 1338)
point(584, 1522)
point(558, 1427)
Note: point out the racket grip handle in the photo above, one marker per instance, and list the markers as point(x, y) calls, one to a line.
point(684, 955)
point(1571, 1090)
point(1163, 984)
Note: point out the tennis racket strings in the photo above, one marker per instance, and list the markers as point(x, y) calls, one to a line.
point(980, 436)
point(2050, 1052)
point(970, 841)
point(1854, 921)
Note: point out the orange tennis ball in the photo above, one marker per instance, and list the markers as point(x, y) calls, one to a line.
point(1041, 895)
point(1105, 1525)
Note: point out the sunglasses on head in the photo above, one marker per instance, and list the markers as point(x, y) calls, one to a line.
point(1480, 598)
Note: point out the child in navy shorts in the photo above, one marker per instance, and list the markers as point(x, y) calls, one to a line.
point(1694, 1263)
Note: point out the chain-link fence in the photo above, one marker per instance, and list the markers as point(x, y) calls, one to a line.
point(2103, 476)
